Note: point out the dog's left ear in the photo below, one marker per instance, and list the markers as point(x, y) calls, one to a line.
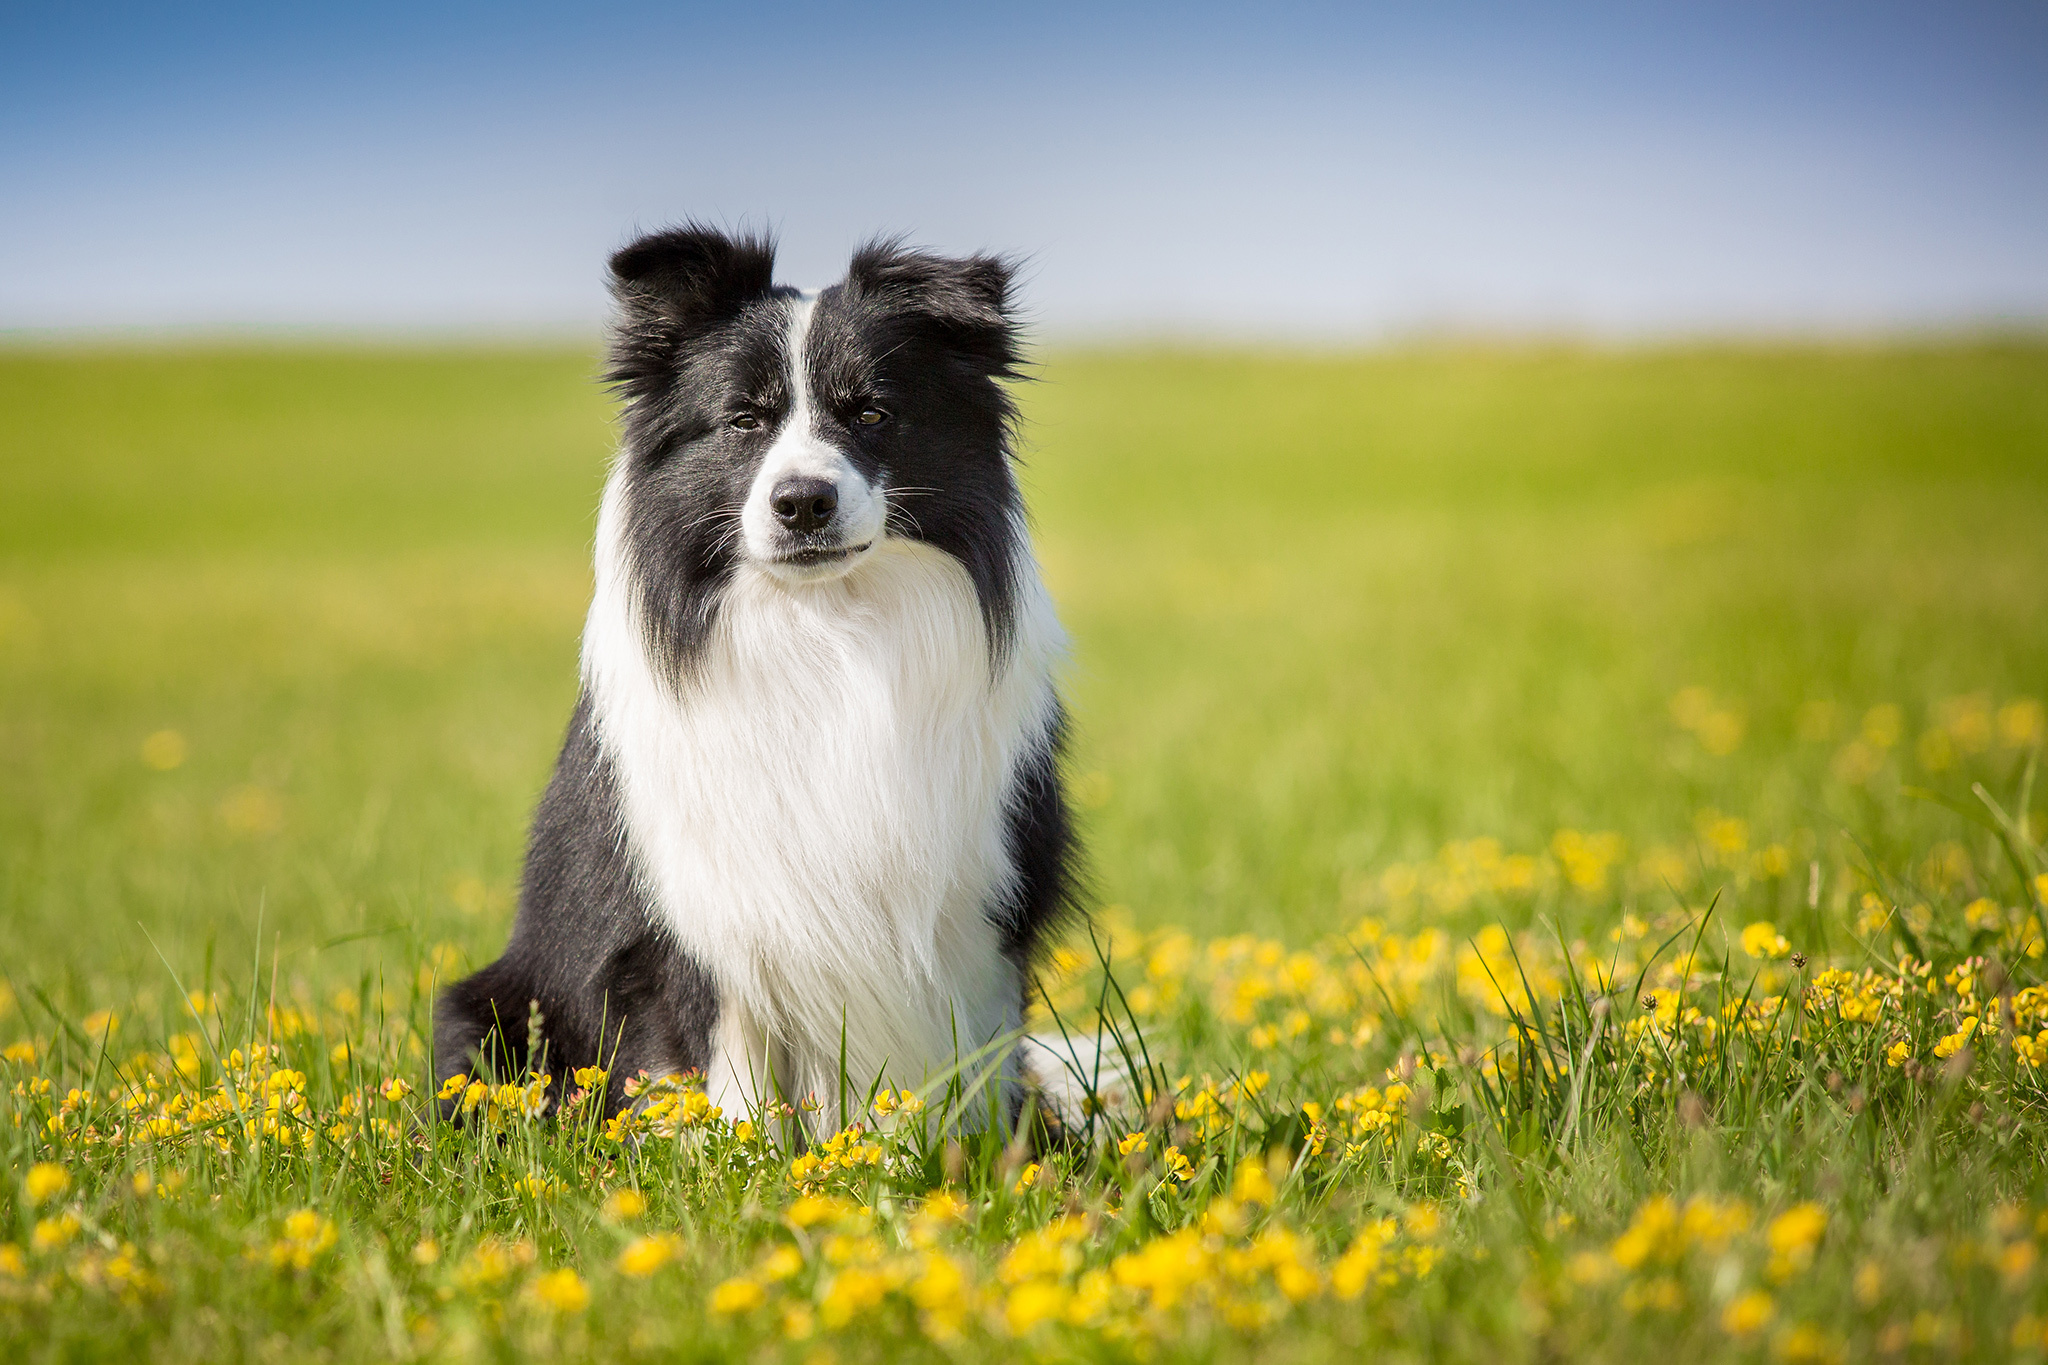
point(964, 300)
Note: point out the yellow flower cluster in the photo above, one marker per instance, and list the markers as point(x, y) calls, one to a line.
point(1578, 863)
point(1662, 1232)
point(841, 1271)
point(1669, 1247)
point(306, 1234)
point(1228, 1199)
point(1359, 1117)
point(157, 1103)
point(662, 1108)
point(560, 1290)
point(851, 1273)
point(844, 1153)
point(496, 1106)
point(1956, 729)
point(644, 1255)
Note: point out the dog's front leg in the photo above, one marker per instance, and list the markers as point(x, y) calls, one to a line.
point(742, 1077)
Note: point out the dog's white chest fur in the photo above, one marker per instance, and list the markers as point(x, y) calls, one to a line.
point(818, 810)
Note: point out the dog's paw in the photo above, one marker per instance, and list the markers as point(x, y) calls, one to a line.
point(1075, 1077)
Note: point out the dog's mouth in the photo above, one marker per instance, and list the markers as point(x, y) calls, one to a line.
point(813, 555)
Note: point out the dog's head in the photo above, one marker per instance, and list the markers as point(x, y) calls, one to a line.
point(796, 432)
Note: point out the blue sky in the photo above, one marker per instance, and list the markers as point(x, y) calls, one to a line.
point(1306, 171)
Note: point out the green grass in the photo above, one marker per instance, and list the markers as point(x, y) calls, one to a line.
point(1330, 614)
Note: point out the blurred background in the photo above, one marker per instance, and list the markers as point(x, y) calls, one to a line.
point(1289, 171)
point(1577, 428)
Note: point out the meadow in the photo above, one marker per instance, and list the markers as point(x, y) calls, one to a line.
point(1563, 821)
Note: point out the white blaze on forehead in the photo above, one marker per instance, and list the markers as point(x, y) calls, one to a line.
point(794, 340)
point(800, 451)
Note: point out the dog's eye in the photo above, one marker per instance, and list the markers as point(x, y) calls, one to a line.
point(872, 417)
point(745, 421)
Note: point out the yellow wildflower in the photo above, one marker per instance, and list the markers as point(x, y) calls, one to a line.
point(852, 1292)
point(1955, 1042)
point(1223, 1218)
point(644, 1255)
point(781, 1263)
point(45, 1181)
point(1807, 1344)
point(1252, 1185)
point(306, 1235)
point(1287, 1258)
point(1093, 1298)
point(1793, 1235)
point(737, 1295)
point(941, 1207)
point(1748, 1315)
point(1165, 1268)
point(51, 1233)
point(2021, 723)
point(1047, 1253)
point(1132, 1142)
point(1983, 913)
point(538, 1186)
point(1354, 1269)
point(562, 1290)
point(1653, 1234)
point(624, 1204)
point(1033, 1302)
point(897, 1101)
point(940, 1290)
point(816, 1208)
point(1027, 1177)
point(1762, 940)
point(843, 1249)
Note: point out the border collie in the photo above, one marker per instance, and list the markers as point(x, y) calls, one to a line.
point(808, 819)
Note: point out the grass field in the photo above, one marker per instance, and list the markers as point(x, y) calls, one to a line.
point(1449, 722)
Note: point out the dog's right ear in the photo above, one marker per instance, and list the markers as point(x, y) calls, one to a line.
point(674, 284)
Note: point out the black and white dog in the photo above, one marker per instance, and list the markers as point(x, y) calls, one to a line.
point(809, 810)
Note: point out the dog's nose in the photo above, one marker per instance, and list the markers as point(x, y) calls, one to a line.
point(805, 504)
